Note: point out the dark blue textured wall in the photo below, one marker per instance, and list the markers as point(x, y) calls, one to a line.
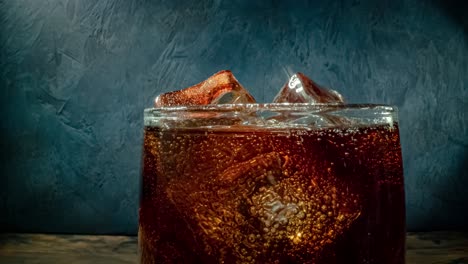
point(76, 75)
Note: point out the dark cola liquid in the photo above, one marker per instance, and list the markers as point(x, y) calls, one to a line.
point(272, 196)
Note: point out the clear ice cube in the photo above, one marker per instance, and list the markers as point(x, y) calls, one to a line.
point(300, 89)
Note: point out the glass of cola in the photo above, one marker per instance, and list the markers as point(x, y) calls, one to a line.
point(305, 179)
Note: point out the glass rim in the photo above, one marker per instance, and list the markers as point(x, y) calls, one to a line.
point(272, 106)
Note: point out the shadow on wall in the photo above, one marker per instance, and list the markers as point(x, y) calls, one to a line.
point(456, 10)
point(457, 183)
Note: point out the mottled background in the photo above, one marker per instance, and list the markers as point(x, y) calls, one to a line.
point(75, 76)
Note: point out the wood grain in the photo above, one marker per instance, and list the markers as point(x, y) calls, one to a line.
point(424, 248)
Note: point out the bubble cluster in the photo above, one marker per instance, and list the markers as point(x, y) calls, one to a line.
point(253, 210)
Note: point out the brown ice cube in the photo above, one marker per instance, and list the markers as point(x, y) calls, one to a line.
point(222, 87)
point(300, 89)
point(252, 209)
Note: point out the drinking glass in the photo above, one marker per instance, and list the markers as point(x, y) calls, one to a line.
point(272, 183)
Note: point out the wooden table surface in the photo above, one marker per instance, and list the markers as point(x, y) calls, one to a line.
point(424, 248)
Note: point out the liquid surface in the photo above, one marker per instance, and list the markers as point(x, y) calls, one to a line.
point(295, 196)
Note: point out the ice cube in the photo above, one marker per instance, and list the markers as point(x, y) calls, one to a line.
point(300, 89)
point(217, 210)
point(222, 87)
point(254, 211)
